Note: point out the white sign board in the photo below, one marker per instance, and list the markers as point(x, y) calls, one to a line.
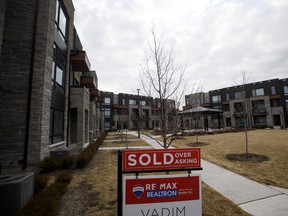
point(162, 195)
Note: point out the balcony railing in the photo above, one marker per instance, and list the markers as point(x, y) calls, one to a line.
point(119, 106)
point(89, 79)
point(79, 61)
point(259, 111)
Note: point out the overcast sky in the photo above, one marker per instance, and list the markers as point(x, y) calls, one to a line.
point(214, 39)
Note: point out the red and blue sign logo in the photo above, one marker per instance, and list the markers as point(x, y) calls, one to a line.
point(138, 190)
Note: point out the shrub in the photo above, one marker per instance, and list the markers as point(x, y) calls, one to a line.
point(49, 164)
point(47, 202)
point(64, 178)
point(68, 161)
point(40, 183)
point(87, 154)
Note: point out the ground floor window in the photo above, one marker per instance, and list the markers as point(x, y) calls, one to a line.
point(107, 125)
point(56, 126)
point(260, 121)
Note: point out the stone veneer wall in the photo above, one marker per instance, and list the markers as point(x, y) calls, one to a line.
point(16, 53)
point(14, 81)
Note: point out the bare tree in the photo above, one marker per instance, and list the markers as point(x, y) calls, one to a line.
point(243, 108)
point(162, 78)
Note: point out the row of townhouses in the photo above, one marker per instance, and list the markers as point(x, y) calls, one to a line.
point(50, 101)
point(48, 93)
point(260, 104)
point(128, 111)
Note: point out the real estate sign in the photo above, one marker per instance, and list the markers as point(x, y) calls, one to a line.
point(162, 195)
point(157, 159)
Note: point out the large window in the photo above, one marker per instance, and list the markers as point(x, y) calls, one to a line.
point(56, 126)
point(286, 90)
point(216, 99)
point(260, 121)
point(61, 21)
point(257, 92)
point(107, 101)
point(240, 95)
point(132, 102)
point(259, 106)
point(273, 90)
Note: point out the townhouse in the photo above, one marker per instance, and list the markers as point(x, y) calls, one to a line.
point(48, 93)
point(130, 111)
point(263, 104)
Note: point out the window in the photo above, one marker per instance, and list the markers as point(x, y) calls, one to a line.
point(60, 21)
point(227, 96)
point(286, 90)
point(56, 126)
point(58, 68)
point(115, 101)
point(107, 112)
point(59, 76)
point(286, 101)
point(132, 102)
point(187, 101)
point(107, 101)
point(143, 103)
point(259, 106)
point(260, 121)
point(216, 99)
point(107, 125)
point(207, 100)
point(274, 103)
point(123, 101)
point(257, 92)
point(239, 95)
point(273, 90)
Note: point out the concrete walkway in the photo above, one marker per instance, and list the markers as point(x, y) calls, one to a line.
point(254, 198)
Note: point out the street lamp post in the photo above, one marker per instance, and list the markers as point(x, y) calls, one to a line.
point(138, 114)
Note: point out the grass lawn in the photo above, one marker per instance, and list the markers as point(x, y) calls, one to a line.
point(271, 143)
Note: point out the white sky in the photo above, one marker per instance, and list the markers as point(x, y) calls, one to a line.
point(214, 39)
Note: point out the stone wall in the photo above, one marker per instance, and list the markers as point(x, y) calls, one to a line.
point(14, 81)
point(19, 61)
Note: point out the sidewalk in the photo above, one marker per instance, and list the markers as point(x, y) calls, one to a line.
point(253, 197)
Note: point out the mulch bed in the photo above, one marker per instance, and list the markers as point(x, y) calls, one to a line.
point(249, 157)
point(197, 144)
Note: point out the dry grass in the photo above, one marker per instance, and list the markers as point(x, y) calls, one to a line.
point(215, 204)
point(119, 140)
point(93, 191)
point(271, 143)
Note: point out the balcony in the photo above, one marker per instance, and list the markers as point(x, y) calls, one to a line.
point(119, 106)
point(275, 97)
point(79, 61)
point(89, 79)
point(259, 111)
point(94, 93)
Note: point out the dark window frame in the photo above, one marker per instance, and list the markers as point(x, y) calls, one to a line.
point(58, 20)
point(56, 136)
